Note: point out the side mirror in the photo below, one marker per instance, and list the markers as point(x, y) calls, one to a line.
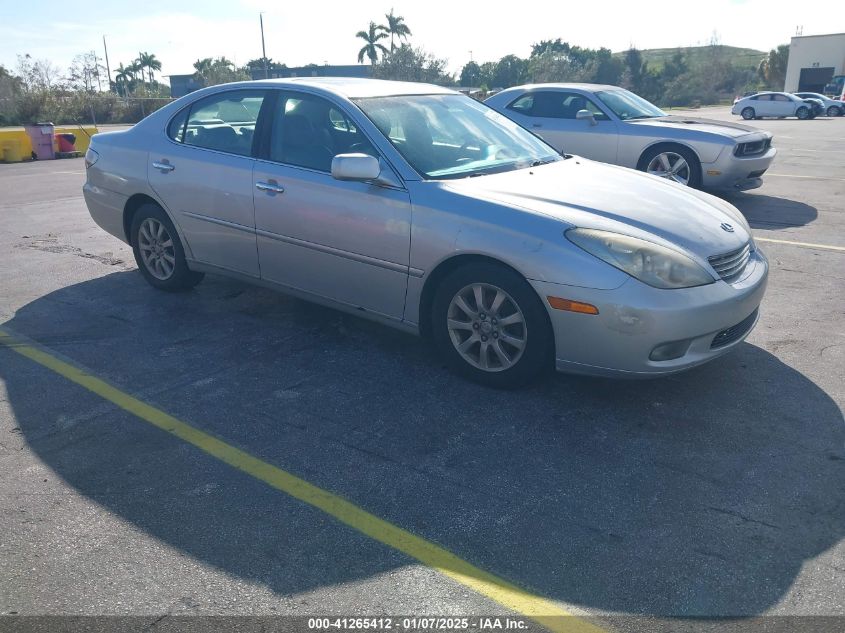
point(359, 167)
point(585, 115)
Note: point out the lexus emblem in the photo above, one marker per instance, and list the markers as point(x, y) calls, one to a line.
point(727, 227)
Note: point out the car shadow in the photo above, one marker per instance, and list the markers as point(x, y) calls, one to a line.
point(772, 212)
point(698, 495)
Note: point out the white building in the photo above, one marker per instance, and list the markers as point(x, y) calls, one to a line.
point(813, 61)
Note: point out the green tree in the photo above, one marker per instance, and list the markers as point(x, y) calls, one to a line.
point(413, 64)
point(772, 68)
point(211, 72)
point(122, 78)
point(372, 47)
point(395, 27)
point(510, 71)
point(471, 75)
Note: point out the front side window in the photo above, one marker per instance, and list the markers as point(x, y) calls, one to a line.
point(781, 98)
point(309, 131)
point(556, 105)
point(626, 105)
point(223, 122)
point(453, 136)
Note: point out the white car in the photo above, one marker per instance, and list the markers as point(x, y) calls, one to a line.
point(831, 106)
point(772, 104)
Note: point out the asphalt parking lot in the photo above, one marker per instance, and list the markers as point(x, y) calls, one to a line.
point(718, 492)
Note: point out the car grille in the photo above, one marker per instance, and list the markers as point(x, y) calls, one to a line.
point(729, 266)
point(735, 332)
point(752, 148)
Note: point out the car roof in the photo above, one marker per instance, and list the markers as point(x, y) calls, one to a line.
point(564, 86)
point(350, 87)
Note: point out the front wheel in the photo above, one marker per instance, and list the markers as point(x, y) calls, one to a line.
point(803, 113)
point(748, 113)
point(674, 163)
point(491, 327)
point(834, 111)
point(158, 251)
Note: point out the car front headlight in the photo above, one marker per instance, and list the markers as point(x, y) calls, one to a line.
point(651, 263)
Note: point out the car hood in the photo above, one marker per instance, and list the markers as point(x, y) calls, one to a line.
point(724, 128)
point(583, 193)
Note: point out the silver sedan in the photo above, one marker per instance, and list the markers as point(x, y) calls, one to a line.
point(420, 208)
point(613, 125)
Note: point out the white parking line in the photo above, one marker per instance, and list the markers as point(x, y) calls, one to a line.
point(825, 247)
point(806, 177)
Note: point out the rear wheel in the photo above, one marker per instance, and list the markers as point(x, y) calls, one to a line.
point(158, 251)
point(748, 113)
point(490, 326)
point(803, 113)
point(672, 162)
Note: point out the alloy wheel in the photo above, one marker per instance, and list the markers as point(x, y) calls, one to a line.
point(671, 166)
point(157, 250)
point(487, 327)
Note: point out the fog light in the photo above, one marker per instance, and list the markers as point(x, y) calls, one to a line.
point(670, 351)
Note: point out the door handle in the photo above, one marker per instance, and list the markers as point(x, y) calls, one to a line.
point(269, 187)
point(163, 166)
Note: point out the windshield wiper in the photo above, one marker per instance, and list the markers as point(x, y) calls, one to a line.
point(643, 116)
point(539, 162)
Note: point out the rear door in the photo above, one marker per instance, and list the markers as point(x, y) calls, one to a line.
point(345, 241)
point(552, 115)
point(763, 105)
point(203, 174)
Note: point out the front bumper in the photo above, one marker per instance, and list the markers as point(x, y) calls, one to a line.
point(730, 172)
point(635, 318)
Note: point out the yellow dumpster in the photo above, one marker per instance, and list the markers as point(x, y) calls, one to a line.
point(10, 151)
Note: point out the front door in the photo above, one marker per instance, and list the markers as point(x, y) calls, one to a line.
point(345, 241)
point(551, 115)
point(203, 174)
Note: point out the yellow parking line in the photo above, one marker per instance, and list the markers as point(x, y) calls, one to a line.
point(824, 247)
point(541, 610)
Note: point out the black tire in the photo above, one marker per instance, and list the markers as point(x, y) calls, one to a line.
point(181, 278)
point(748, 113)
point(537, 355)
point(803, 113)
point(834, 111)
point(694, 180)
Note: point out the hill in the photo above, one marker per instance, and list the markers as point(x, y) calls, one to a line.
point(699, 55)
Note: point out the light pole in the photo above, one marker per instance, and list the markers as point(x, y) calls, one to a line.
point(108, 70)
point(263, 50)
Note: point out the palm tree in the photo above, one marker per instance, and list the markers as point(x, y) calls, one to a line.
point(135, 69)
point(372, 47)
point(149, 61)
point(121, 79)
point(396, 26)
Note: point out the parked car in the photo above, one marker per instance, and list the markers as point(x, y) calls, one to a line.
point(613, 125)
point(419, 207)
point(773, 104)
point(830, 106)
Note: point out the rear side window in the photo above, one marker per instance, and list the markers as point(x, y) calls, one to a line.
point(223, 122)
point(176, 129)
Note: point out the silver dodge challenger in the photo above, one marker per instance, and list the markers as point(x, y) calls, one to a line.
point(423, 209)
point(613, 125)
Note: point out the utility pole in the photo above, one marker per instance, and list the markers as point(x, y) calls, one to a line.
point(108, 70)
point(263, 50)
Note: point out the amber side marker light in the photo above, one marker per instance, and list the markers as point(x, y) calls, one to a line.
point(572, 306)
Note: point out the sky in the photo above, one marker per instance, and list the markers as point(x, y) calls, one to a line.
point(179, 32)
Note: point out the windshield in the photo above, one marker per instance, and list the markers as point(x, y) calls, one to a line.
point(453, 136)
point(626, 105)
